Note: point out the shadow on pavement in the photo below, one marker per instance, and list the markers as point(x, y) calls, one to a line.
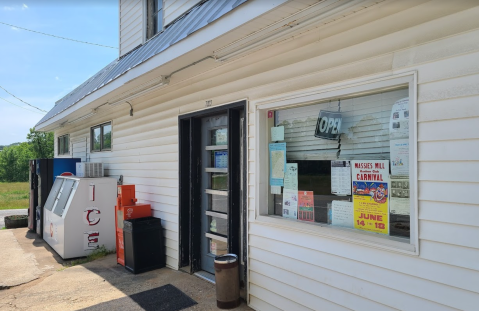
point(164, 298)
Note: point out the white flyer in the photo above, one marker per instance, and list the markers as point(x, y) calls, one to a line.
point(399, 121)
point(342, 214)
point(290, 203)
point(291, 176)
point(275, 189)
point(400, 157)
point(399, 203)
point(277, 133)
point(341, 177)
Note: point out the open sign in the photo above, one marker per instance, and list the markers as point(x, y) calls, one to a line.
point(328, 125)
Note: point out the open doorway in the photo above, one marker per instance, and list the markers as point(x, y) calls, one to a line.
point(212, 188)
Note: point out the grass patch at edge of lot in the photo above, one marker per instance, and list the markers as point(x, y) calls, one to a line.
point(98, 253)
point(14, 195)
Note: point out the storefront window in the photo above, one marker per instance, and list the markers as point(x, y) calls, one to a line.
point(344, 162)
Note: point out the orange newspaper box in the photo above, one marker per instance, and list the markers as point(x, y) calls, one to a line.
point(125, 209)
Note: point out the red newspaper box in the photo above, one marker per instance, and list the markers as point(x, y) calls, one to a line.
point(125, 209)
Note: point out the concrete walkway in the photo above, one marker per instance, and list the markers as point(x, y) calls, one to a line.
point(10, 212)
point(98, 284)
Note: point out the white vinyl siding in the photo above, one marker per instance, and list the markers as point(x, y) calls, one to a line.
point(293, 270)
point(131, 25)
point(175, 8)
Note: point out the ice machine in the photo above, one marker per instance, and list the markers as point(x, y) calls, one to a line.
point(79, 215)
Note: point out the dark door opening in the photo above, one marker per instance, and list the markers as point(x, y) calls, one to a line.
point(212, 187)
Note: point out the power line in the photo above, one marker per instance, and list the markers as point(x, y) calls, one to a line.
point(46, 34)
point(20, 106)
point(22, 100)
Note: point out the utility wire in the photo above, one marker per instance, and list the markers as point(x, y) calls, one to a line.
point(22, 100)
point(20, 106)
point(46, 34)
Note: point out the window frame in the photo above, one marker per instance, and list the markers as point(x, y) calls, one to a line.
point(150, 14)
point(101, 126)
point(356, 87)
point(61, 145)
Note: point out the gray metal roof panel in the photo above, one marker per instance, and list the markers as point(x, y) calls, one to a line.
point(198, 17)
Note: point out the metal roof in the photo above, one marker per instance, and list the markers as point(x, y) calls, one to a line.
point(198, 17)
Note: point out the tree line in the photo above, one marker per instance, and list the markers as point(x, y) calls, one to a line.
point(14, 159)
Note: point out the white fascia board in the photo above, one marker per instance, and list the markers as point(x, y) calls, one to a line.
point(237, 17)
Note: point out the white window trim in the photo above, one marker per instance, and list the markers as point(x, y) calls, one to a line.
point(312, 95)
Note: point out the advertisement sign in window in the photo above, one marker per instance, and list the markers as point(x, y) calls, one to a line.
point(370, 181)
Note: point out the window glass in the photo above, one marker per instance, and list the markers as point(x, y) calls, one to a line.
point(63, 144)
point(155, 17)
point(60, 145)
point(344, 163)
point(219, 181)
point(96, 133)
point(66, 144)
point(107, 136)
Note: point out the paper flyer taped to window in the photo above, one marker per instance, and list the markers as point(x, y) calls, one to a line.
point(400, 157)
point(399, 121)
point(222, 137)
point(342, 214)
point(291, 176)
point(277, 133)
point(277, 164)
point(370, 182)
point(306, 205)
point(275, 189)
point(341, 177)
point(221, 159)
point(399, 203)
point(290, 203)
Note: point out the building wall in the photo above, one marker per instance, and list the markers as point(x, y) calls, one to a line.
point(172, 9)
point(291, 270)
point(131, 24)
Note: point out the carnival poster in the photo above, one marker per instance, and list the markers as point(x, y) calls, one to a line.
point(370, 183)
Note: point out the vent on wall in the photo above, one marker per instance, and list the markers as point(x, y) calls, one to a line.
point(89, 169)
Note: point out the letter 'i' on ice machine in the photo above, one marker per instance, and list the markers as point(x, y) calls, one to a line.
point(42, 175)
point(79, 215)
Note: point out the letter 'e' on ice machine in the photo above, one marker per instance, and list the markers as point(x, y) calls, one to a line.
point(79, 215)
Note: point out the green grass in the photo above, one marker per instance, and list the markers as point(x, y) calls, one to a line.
point(14, 195)
point(94, 255)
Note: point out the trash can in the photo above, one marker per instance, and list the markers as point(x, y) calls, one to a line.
point(227, 281)
point(144, 244)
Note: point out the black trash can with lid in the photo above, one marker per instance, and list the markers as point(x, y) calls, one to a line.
point(144, 244)
point(227, 281)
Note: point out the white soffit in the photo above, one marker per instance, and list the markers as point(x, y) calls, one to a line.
point(322, 13)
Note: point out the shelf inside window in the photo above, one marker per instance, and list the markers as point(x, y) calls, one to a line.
point(216, 170)
point(216, 237)
point(217, 147)
point(216, 214)
point(216, 192)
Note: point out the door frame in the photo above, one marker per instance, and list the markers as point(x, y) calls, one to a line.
point(189, 140)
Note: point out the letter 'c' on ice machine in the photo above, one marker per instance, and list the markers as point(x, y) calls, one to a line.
point(79, 215)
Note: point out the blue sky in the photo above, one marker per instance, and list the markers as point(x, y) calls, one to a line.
point(40, 69)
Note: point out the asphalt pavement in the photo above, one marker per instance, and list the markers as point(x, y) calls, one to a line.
point(98, 285)
point(10, 212)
